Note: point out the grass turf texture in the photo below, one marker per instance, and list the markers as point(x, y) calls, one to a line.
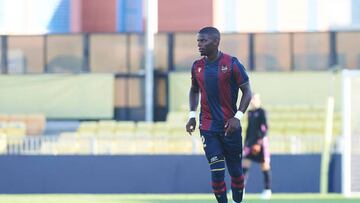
point(162, 198)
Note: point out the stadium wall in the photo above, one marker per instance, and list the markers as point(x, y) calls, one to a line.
point(59, 96)
point(151, 174)
point(275, 88)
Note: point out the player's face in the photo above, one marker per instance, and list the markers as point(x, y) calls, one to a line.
point(207, 44)
point(255, 101)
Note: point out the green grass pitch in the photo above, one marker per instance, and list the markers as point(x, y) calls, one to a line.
point(165, 198)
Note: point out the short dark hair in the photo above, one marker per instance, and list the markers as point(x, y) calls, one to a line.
point(210, 31)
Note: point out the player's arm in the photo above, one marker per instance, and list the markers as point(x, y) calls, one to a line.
point(261, 133)
point(194, 98)
point(245, 98)
point(234, 123)
point(242, 80)
point(263, 127)
point(194, 102)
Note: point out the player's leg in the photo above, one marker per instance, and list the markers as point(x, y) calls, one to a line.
point(266, 169)
point(246, 166)
point(246, 162)
point(214, 154)
point(246, 159)
point(233, 156)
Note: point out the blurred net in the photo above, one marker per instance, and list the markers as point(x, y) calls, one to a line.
point(355, 133)
point(351, 131)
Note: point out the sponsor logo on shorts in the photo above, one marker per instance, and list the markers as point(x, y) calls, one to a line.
point(213, 159)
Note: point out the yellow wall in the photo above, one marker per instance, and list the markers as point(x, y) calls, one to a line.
point(276, 88)
point(58, 96)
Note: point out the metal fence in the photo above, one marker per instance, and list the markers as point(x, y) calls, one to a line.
point(114, 145)
point(123, 55)
point(124, 52)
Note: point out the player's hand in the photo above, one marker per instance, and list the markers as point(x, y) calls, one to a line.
point(232, 125)
point(255, 149)
point(191, 125)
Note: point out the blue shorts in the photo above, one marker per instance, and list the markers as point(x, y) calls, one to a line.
point(217, 144)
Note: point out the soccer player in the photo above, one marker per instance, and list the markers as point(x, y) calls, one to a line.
point(217, 77)
point(257, 143)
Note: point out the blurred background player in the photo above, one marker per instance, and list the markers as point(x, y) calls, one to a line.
point(218, 77)
point(257, 143)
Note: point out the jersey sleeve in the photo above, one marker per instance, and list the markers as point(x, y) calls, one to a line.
point(263, 126)
point(239, 72)
point(263, 123)
point(194, 83)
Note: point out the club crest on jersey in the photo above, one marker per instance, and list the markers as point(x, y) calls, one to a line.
point(224, 68)
point(199, 69)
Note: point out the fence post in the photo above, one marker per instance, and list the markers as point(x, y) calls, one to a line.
point(251, 52)
point(333, 60)
point(3, 57)
point(292, 51)
point(86, 53)
point(171, 66)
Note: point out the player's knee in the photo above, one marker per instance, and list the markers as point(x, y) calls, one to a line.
point(246, 163)
point(235, 169)
point(217, 167)
point(235, 156)
point(216, 162)
point(265, 166)
point(234, 165)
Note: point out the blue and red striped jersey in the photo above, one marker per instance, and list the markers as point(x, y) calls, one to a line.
point(218, 83)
